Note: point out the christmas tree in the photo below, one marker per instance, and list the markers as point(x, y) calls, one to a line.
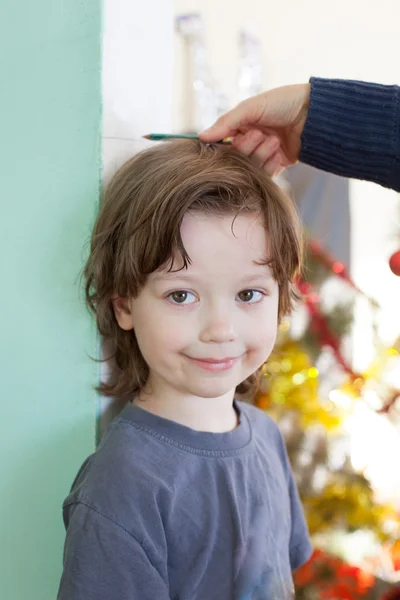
point(309, 387)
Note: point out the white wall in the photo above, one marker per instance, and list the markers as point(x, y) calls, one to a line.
point(137, 90)
point(137, 75)
point(341, 38)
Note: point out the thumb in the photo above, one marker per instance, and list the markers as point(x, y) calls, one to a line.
point(222, 128)
point(246, 113)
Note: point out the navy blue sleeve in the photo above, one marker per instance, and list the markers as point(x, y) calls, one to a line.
point(353, 129)
point(102, 561)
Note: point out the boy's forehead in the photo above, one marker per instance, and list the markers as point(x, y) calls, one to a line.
point(212, 234)
point(221, 244)
point(243, 226)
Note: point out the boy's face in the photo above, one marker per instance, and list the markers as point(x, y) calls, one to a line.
point(205, 329)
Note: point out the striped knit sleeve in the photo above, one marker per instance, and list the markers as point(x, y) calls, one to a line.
point(353, 130)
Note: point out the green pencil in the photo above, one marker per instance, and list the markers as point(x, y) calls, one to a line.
point(162, 137)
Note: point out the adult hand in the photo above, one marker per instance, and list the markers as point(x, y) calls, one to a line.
point(266, 127)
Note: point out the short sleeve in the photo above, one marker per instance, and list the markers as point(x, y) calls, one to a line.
point(103, 561)
point(300, 548)
point(300, 544)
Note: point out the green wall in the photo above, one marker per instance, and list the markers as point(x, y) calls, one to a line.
point(50, 160)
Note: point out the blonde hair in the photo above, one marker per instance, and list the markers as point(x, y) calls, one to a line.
point(138, 231)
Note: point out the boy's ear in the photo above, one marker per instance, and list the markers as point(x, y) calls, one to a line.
point(123, 312)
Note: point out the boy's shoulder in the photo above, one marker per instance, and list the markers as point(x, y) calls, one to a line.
point(266, 434)
point(261, 423)
point(119, 473)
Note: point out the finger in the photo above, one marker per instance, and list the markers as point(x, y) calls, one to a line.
point(236, 140)
point(247, 112)
point(264, 151)
point(274, 165)
point(248, 142)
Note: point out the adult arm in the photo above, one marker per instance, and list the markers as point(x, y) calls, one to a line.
point(350, 128)
point(353, 129)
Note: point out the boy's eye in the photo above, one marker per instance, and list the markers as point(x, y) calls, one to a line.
point(182, 297)
point(250, 296)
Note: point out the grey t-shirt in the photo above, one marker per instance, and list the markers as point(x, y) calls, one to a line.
point(164, 512)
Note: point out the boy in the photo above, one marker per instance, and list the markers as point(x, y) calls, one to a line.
point(190, 495)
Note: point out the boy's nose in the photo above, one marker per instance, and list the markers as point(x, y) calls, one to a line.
point(218, 331)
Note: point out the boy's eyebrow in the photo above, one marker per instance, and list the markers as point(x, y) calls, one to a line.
point(184, 276)
point(267, 274)
point(171, 275)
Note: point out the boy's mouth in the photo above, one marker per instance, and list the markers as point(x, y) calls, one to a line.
point(215, 364)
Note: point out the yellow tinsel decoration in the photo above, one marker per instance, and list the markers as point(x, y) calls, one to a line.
point(349, 506)
point(291, 383)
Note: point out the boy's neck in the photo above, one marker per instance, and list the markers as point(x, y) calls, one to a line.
point(212, 415)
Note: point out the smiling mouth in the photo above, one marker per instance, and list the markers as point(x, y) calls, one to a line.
point(215, 364)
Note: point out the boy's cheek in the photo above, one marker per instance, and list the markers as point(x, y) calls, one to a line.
point(264, 332)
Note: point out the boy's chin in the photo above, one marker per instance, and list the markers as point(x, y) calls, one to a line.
point(216, 390)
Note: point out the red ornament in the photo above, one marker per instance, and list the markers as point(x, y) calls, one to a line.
point(394, 263)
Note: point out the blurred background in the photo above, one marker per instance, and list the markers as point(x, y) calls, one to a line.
point(83, 82)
